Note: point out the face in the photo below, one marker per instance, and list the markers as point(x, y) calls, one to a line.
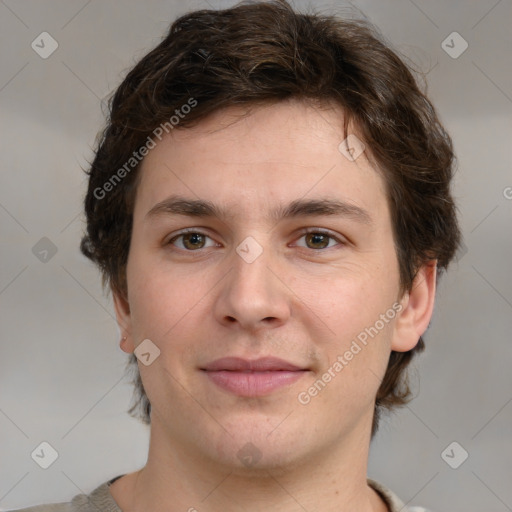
point(262, 266)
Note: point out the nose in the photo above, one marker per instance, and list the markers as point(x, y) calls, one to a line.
point(253, 294)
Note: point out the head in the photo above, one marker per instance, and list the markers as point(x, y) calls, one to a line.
point(219, 75)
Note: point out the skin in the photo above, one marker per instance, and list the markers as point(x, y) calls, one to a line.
point(198, 300)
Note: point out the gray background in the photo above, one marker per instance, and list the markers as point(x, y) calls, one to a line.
point(61, 369)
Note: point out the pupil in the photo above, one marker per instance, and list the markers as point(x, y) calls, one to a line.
point(193, 239)
point(318, 238)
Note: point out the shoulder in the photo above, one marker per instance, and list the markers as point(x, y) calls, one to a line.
point(51, 507)
point(394, 503)
point(99, 500)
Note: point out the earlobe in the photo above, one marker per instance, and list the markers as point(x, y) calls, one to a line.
point(122, 309)
point(126, 345)
point(417, 307)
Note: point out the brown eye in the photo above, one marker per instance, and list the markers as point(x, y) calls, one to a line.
point(317, 240)
point(190, 241)
point(193, 241)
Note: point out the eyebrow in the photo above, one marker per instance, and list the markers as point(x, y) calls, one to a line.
point(178, 205)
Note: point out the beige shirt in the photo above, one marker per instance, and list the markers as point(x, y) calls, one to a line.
point(100, 500)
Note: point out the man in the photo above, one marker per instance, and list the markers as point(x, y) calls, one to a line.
point(270, 206)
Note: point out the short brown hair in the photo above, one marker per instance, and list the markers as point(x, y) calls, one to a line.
point(264, 52)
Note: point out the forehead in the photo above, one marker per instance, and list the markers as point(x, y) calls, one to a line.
point(249, 161)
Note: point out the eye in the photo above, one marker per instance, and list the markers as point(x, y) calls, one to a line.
point(315, 239)
point(191, 240)
point(319, 239)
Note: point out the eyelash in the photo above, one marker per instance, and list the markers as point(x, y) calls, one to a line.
point(319, 231)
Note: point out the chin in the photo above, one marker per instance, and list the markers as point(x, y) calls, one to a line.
point(254, 448)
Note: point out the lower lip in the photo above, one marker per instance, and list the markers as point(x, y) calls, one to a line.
point(251, 384)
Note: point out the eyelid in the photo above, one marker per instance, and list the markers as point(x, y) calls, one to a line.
point(169, 239)
point(341, 241)
point(323, 231)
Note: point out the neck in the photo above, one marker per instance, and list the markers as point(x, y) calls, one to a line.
point(335, 480)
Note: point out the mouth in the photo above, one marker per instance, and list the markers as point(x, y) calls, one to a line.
point(251, 378)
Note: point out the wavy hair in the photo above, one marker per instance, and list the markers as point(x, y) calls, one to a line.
point(264, 52)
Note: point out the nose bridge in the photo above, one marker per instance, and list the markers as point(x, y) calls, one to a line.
point(250, 269)
point(251, 293)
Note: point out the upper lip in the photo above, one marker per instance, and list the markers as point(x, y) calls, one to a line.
point(237, 364)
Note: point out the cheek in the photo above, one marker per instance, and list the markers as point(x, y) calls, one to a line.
point(158, 300)
point(355, 365)
point(357, 308)
point(162, 310)
point(347, 300)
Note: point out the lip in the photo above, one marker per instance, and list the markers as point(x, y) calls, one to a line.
point(251, 378)
point(237, 364)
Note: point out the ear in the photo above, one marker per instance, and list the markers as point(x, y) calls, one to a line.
point(124, 321)
point(417, 307)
